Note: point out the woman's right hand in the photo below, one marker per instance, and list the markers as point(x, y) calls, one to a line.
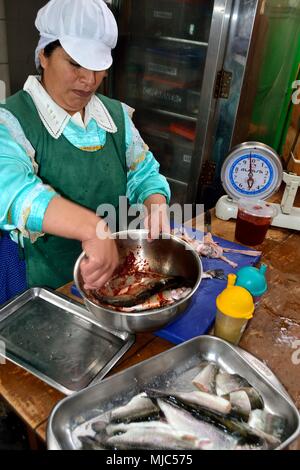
point(66, 219)
point(101, 261)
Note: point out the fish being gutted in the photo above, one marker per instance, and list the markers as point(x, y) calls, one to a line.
point(136, 288)
point(162, 299)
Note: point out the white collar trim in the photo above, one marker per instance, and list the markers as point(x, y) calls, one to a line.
point(55, 118)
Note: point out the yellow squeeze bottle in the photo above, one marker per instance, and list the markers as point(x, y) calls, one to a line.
point(235, 307)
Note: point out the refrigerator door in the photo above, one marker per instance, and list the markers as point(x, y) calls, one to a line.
point(158, 70)
point(214, 137)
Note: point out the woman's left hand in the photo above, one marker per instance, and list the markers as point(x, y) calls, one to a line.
point(156, 220)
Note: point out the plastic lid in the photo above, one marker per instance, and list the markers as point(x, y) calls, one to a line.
point(253, 279)
point(257, 207)
point(235, 301)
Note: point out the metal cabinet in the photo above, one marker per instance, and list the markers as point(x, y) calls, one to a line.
point(180, 64)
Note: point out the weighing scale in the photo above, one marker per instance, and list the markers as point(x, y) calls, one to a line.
point(254, 170)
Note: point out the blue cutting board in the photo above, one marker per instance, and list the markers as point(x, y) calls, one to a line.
point(200, 315)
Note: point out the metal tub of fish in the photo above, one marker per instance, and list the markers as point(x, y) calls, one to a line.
point(171, 260)
point(203, 394)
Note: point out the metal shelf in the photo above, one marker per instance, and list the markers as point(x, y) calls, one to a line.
point(184, 41)
point(174, 181)
point(171, 113)
point(138, 105)
point(166, 38)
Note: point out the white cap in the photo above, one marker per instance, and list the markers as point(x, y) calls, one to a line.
point(86, 29)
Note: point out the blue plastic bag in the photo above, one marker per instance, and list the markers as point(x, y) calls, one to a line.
point(12, 269)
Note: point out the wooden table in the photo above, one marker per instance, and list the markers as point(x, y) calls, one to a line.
point(270, 336)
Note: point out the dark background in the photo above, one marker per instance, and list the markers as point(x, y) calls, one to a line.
point(22, 38)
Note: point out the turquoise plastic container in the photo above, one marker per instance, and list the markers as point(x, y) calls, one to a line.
point(254, 280)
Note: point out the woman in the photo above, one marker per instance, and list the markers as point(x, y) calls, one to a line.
point(64, 150)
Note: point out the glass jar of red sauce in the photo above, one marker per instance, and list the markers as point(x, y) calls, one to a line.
point(253, 220)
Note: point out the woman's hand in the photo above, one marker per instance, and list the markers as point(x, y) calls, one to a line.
point(66, 219)
point(156, 220)
point(102, 259)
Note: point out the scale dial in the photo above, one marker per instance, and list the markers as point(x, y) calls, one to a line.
point(251, 170)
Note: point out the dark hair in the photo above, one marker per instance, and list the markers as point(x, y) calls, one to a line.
point(48, 51)
point(50, 48)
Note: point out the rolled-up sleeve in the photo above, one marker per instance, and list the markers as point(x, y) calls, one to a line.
point(143, 177)
point(24, 197)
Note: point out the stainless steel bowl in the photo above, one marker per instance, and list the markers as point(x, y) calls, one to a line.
point(170, 256)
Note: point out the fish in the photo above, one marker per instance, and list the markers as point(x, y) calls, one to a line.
point(99, 427)
point(205, 380)
point(271, 440)
point(227, 383)
point(275, 425)
point(197, 398)
point(256, 419)
point(241, 405)
point(161, 438)
point(255, 397)
point(226, 423)
point(121, 427)
point(164, 428)
point(135, 288)
point(263, 446)
point(167, 297)
point(225, 412)
point(138, 408)
point(268, 423)
point(90, 443)
point(183, 420)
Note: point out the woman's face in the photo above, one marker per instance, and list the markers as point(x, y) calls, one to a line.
point(69, 85)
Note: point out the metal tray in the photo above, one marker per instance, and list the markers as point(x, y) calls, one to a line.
point(173, 367)
point(58, 340)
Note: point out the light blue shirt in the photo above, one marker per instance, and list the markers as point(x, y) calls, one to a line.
point(24, 196)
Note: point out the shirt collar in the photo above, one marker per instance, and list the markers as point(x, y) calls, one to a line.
point(55, 118)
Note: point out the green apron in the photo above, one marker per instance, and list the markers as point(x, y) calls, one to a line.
point(86, 178)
